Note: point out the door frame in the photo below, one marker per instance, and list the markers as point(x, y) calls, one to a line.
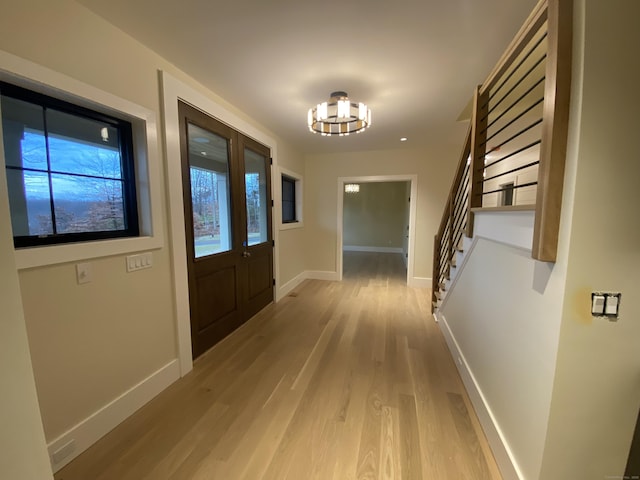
point(173, 89)
point(413, 181)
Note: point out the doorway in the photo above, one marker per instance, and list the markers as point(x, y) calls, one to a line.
point(227, 210)
point(403, 214)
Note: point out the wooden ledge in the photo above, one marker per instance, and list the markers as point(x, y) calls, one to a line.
point(510, 208)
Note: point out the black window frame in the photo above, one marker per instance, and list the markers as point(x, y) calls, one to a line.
point(289, 202)
point(127, 162)
point(506, 197)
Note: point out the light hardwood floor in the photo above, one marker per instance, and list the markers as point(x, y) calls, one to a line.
point(339, 380)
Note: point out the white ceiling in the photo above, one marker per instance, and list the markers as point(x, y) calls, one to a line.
point(414, 62)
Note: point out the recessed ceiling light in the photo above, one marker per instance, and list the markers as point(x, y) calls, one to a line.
point(204, 153)
point(403, 139)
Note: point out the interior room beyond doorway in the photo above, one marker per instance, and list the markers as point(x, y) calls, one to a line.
point(376, 219)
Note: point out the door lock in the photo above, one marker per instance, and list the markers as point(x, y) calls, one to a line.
point(246, 254)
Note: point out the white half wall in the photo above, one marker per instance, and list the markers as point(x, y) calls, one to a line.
point(501, 318)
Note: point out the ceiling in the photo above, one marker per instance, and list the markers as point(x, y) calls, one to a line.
point(413, 62)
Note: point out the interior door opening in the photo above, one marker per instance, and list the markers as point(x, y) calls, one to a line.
point(375, 218)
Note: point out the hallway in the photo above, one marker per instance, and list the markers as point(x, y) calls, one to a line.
point(339, 380)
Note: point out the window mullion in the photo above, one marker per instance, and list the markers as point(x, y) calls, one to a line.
point(46, 146)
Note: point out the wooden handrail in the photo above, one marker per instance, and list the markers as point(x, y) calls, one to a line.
point(554, 132)
point(478, 138)
point(528, 30)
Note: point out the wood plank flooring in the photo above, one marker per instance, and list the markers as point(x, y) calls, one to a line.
point(343, 380)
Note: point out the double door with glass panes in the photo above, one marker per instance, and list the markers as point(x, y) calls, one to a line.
point(227, 204)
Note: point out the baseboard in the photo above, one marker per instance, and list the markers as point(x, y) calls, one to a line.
point(284, 290)
point(357, 248)
point(420, 282)
point(500, 448)
point(322, 275)
point(80, 437)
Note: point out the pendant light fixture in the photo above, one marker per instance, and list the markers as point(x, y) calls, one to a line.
point(339, 116)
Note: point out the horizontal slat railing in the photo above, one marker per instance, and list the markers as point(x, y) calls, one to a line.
point(454, 221)
point(515, 148)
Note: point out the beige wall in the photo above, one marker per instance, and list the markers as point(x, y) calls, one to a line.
point(597, 387)
point(292, 261)
point(92, 342)
point(23, 453)
point(375, 216)
point(434, 168)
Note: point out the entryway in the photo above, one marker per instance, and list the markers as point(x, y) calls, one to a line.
point(376, 215)
point(227, 210)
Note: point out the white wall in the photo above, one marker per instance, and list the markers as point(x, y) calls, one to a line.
point(23, 453)
point(563, 388)
point(504, 316)
point(434, 168)
point(596, 394)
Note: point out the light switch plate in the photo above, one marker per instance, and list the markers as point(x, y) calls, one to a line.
point(139, 261)
point(606, 305)
point(83, 273)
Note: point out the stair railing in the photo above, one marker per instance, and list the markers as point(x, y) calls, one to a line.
point(516, 146)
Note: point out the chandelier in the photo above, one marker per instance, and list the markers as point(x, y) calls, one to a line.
point(339, 116)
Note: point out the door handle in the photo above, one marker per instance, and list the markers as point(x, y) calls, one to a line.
point(246, 254)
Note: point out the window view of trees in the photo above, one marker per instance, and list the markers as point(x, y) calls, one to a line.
point(206, 207)
point(70, 170)
point(211, 216)
point(84, 185)
point(252, 185)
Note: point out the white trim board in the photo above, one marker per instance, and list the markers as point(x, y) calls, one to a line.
point(413, 180)
point(499, 446)
point(420, 282)
point(287, 287)
point(80, 437)
point(358, 248)
point(172, 90)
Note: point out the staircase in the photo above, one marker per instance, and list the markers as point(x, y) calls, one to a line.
point(513, 155)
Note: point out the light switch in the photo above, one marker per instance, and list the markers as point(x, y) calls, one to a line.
point(139, 261)
point(611, 305)
point(597, 304)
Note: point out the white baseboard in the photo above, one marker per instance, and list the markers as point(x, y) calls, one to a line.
point(80, 437)
point(501, 451)
point(357, 248)
point(284, 290)
point(420, 282)
point(321, 275)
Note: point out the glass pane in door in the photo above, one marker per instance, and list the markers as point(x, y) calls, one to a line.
point(255, 179)
point(210, 191)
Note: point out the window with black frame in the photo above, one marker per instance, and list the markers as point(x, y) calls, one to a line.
point(288, 200)
point(70, 170)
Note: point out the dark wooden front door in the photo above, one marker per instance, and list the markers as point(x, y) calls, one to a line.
point(227, 202)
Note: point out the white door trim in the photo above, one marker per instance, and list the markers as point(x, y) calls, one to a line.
point(413, 180)
point(172, 90)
